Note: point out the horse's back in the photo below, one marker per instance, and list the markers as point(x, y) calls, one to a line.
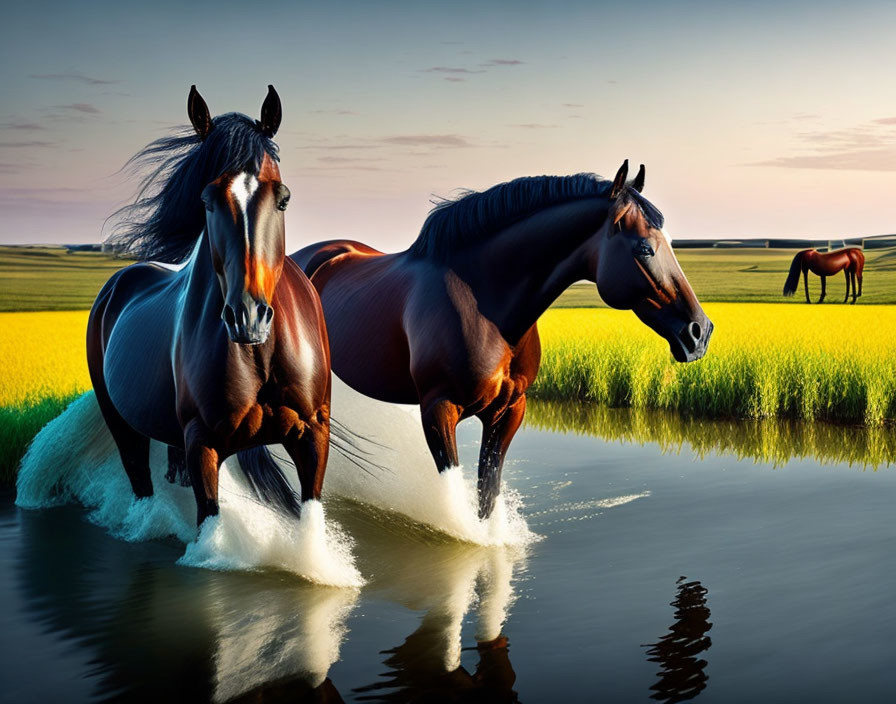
point(311, 258)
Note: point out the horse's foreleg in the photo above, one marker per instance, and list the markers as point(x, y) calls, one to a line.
point(309, 452)
point(440, 419)
point(846, 298)
point(806, 284)
point(496, 437)
point(203, 465)
point(823, 293)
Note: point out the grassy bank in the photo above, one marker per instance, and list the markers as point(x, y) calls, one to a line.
point(819, 363)
point(765, 361)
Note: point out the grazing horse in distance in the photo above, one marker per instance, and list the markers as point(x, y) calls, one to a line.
point(450, 324)
point(229, 350)
point(851, 261)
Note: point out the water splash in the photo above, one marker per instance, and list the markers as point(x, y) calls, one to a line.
point(402, 478)
point(73, 459)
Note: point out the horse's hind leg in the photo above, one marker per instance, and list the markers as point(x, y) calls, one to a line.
point(496, 437)
point(133, 447)
point(854, 294)
point(846, 298)
point(440, 419)
point(806, 285)
point(177, 466)
point(309, 452)
point(823, 292)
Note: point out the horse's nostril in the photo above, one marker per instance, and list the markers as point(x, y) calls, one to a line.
point(694, 329)
point(228, 316)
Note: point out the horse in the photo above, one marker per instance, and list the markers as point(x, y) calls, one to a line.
point(229, 350)
point(450, 323)
point(851, 261)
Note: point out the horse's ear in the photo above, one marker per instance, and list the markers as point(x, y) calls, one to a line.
point(199, 114)
point(271, 113)
point(638, 182)
point(619, 181)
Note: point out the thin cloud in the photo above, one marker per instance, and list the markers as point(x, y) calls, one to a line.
point(450, 69)
point(86, 108)
point(74, 76)
point(862, 160)
point(346, 159)
point(503, 62)
point(28, 126)
point(428, 140)
point(535, 126)
point(26, 144)
point(573, 105)
point(455, 79)
point(885, 121)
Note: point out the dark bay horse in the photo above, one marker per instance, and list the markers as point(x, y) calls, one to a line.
point(851, 261)
point(230, 350)
point(450, 324)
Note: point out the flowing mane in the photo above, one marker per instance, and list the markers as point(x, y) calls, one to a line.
point(167, 214)
point(473, 216)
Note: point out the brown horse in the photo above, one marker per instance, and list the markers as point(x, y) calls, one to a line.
point(450, 324)
point(230, 350)
point(850, 261)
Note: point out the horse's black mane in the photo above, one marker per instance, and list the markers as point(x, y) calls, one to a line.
point(167, 215)
point(473, 216)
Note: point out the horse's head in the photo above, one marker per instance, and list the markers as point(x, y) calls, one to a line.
point(637, 270)
point(245, 228)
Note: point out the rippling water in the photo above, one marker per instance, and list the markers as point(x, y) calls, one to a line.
point(668, 567)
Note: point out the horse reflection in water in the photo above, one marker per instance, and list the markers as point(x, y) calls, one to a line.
point(157, 632)
point(444, 580)
point(683, 675)
point(220, 636)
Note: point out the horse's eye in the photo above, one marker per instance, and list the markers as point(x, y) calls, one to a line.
point(643, 249)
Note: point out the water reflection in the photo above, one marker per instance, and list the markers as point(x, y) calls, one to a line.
point(157, 631)
point(424, 572)
point(683, 675)
point(771, 440)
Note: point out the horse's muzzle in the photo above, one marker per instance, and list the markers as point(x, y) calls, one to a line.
point(251, 326)
point(690, 342)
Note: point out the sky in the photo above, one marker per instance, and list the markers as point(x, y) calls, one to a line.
point(761, 119)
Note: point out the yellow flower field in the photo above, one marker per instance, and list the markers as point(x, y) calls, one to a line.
point(811, 362)
point(826, 362)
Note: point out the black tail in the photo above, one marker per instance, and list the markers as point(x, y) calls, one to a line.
point(793, 278)
point(266, 477)
point(267, 480)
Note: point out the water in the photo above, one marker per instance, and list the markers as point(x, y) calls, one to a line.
point(673, 560)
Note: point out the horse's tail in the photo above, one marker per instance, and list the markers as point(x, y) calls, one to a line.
point(793, 278)
point(269, 484)
point(267, 480)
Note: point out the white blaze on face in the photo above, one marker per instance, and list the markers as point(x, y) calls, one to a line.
point(242, 189)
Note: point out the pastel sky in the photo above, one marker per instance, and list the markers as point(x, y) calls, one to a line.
point(754, 119)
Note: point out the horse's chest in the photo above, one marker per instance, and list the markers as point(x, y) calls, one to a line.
point(260, 423)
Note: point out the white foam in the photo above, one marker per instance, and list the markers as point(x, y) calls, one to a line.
point(407, 481)
point(74, 459)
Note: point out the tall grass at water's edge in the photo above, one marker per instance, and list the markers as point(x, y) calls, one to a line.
point(764, 360)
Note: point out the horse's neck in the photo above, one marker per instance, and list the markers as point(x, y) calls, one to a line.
point(518, 273)
point(200, 281)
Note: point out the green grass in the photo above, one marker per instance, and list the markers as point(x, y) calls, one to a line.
point(18, 425)
point(757, 276)
point(51, 278)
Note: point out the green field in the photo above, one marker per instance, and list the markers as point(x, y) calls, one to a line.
point(51, 278)
point(757, 276)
